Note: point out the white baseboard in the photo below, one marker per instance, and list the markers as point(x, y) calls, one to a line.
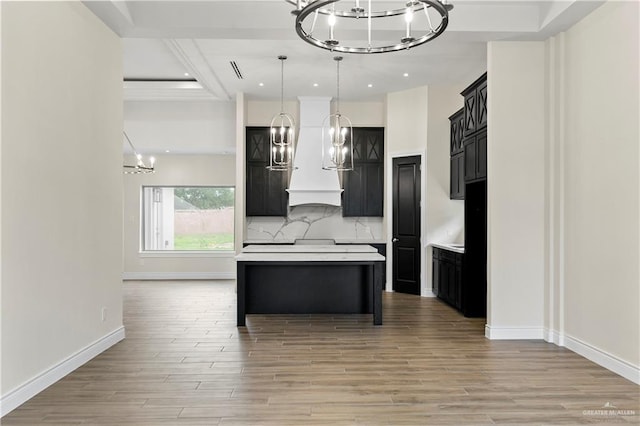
point(513, 333)
point(552, 336)
point(179, 275)
point(604, 359)
point(28, 390)
point(429, 293)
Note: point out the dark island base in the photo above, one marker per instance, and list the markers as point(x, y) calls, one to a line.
point(310, 288)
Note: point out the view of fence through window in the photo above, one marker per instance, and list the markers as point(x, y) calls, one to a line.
point(187, 218)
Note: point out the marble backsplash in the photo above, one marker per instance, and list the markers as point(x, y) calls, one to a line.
point(314, 222)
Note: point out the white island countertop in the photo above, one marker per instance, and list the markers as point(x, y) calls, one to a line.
point(309, 253)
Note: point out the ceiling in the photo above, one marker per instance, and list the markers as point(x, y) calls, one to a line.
point(163, 40)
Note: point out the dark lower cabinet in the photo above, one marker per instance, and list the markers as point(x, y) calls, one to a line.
point(447, 276)
point(453, 286)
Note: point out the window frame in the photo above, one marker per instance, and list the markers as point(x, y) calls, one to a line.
point(145, 253)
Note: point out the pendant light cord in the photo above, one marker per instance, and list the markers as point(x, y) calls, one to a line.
point(282, 58)
point(338, 59)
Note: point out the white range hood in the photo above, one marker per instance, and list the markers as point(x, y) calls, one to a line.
point(310, 183)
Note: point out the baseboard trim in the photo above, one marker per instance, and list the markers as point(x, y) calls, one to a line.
point(28, 390)
point(552, 336)
point(513, 333)
point(178, 275)
point(610, 362)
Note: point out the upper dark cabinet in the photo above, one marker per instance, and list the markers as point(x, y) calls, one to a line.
point(456, 123)
point(456, 147)
point(456, 184)
point(364, 186)
point(475, 157)
point(468, 139)
point(475, 106)
point(266, 193)
point(481, 93)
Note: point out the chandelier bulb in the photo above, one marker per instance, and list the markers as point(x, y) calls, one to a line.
point(331, 20)
point(408, 15)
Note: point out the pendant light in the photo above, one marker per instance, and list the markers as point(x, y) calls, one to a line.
point(337, 135)
point(282, 133)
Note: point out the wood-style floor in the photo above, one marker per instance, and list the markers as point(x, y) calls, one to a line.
point(184, 361)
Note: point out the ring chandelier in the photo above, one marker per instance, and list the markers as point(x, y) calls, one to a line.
point(319, 22)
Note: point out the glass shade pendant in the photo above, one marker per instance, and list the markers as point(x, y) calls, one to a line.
point(282, 133)
point(337, 136)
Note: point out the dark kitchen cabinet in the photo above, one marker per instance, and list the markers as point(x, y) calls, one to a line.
point(475, 106)
point(364, 185)
point(266, 193)
point(447, 276)
point(458, 281)
point(475, 157)
point(456, 185)
point(456, 124)
point(456, 171)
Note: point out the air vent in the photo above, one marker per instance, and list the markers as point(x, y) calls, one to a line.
point(236, 69)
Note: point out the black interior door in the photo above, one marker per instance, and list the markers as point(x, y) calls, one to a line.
point(406, 224)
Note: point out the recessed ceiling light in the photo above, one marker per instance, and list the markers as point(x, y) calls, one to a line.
point(186, 74)
point(406, 74)
point(315, 84)
point(369, 85)
point(261, 84)
point(166, 150)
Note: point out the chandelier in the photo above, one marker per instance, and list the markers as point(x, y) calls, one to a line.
point(337, 135)
point(282, 133)
point(140, 166)
point(348, 26)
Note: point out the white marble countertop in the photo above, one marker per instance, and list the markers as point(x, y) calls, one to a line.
point(265, 242)
point(313, 248)
point(337, 240)
point(456, 247)
point(309, 253)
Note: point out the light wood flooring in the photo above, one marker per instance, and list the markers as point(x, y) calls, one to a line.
point(184, 362)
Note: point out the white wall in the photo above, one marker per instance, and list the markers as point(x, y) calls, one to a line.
point(444, 218)
point(184, 127)
point(426, 131)
point(61, 193)
point(406, 135)
point(564, 189)
point(175, 170)
point(597, 74)
point(515, 189)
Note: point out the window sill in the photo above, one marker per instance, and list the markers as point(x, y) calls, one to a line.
point(185, 253)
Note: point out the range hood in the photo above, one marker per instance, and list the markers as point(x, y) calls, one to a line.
point(310, 183)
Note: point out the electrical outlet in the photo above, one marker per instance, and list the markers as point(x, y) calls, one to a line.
point(104, 314)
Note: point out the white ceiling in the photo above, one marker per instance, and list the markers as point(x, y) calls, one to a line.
point(163, 40)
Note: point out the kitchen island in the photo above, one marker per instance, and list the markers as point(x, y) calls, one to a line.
point(309, 279)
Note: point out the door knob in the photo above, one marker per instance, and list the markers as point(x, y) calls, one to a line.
point(395, 240)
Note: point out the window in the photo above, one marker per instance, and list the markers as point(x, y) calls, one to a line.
point(187, 218)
